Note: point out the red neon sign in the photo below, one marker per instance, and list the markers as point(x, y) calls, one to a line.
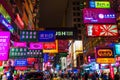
point(50, 45)
point(102, 30)
point(19, 22)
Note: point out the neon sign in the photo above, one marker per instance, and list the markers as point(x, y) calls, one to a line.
point(99, 15)
point(6, 23)
point(102, 30)
point(105, 52)
point(4, 45)
point(99, 4)
point(46, 36)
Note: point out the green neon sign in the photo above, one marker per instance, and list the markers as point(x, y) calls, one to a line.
point(4, 13)
point(102, 4)
point(99, 4)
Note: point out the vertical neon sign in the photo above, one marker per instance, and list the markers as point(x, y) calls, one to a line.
point(4, 45)
point(4, 22)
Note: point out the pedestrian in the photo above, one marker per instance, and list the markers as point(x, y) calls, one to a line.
point(4, 77)
point(117, 76)
point(86, 76)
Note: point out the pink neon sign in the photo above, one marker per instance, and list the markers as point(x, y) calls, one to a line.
point(20, 44)
point(4, 45)
point(37, 45)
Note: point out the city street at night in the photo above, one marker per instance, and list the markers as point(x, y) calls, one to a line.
point(59, 39)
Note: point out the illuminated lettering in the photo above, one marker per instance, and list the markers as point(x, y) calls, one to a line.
point(64, 33)
point(105, 52)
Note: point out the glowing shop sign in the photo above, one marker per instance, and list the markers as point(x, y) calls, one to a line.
point(28, 35)
point(20, 62)
point(99, 15)
point(105, 60)
point(64, 33)
point(99, 4)
point(46, 36)
point(105, 53)
point(6, 23)
point(36, 45)
point(102, 30)
point(117, 49)
point(4, 45)
point(20, 44)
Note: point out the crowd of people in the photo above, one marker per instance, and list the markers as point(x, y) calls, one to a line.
point(67, 76)
point(80, 76)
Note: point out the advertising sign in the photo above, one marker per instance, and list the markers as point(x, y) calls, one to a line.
point(99, 4)
point(102, 30)
point(28, 35)
point(18, 52)
point(36, 45)
point(65, 33)
point(117, 49)
point(46, 36)
point(20, 62)
point(4, 45)
point(63, 45)
point(50, 47)
point(34, 53)
point(20, 44)
point(4, 22)
point(105, 55)
point(91, 15)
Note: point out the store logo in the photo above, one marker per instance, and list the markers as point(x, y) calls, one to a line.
point(105, 52)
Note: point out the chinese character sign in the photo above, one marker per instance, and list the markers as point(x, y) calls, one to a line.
point(102, 30)
point(4, 45)
point(28, 35)
point(99, 15)
point(99, 4)
point(46, 36)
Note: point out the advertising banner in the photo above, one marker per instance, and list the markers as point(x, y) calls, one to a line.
point(102, 30)
point(105, 56)
point(28, 35)
point(46, 36)
point(92, 15)
point(36, 45)
point(20, 62)
point(18, 52)
point(99, 4)
point(4, 45)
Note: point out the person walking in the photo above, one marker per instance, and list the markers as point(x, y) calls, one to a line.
point(117, 76)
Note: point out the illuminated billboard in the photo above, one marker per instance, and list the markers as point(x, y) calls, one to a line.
point(4, 45)
point(102, 30)
point(46, 36)
point(50, 47)
point(99, 4)
point(105, 55)
point(91, 15)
